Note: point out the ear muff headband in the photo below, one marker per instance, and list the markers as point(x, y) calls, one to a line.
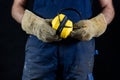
point(62, 24)
point(71, 9)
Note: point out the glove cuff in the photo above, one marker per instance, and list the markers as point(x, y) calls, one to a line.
point(28, 21)
point(101, 24)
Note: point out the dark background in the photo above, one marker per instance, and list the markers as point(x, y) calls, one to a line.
point(13, 39)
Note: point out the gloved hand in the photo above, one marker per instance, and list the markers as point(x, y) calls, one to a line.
point(32, 24)
point(87, 29)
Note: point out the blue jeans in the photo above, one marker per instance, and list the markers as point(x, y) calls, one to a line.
point(64, 60)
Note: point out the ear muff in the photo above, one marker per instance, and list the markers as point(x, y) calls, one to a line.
point(62, 24)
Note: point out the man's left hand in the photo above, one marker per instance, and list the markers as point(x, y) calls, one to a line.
point(87, 29)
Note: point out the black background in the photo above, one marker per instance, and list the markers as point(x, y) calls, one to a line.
point(13, 39)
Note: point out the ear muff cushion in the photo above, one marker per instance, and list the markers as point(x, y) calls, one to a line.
point(56, 21)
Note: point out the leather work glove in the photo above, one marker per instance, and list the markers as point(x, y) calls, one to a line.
point(33, 24)
point(87, 29)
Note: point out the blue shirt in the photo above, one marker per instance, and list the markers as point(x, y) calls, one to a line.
point(50, 8)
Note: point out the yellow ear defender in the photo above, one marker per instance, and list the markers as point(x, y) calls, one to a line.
point(62, 24)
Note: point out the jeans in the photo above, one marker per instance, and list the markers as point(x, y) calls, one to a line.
point(64, 60)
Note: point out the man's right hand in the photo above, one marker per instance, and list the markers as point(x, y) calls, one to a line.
point(35, 25)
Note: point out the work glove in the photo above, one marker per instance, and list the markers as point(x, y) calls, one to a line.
point(87, 29)
point(35, 25)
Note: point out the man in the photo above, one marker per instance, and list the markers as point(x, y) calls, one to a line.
point(49, 56)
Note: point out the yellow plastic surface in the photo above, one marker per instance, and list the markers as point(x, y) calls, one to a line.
point(68, 25)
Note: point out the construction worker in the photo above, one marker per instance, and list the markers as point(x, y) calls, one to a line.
point(48, 55)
